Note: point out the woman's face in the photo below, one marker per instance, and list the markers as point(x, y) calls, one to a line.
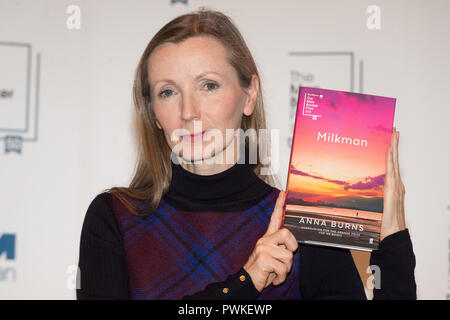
point(196, 96)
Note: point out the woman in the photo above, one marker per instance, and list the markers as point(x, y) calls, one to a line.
point(193, 226)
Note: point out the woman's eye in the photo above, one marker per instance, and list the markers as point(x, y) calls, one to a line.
point(166, 93)
point(211, 86)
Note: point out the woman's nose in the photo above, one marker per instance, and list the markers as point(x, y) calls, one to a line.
point(189, 108)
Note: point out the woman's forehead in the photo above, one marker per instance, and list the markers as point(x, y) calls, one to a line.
point(194, 41)
point(194, 55)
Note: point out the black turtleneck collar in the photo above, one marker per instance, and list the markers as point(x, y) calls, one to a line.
point(235, 189)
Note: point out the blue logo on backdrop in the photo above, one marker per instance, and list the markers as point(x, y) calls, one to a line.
point(7, 252)
point(8, 246)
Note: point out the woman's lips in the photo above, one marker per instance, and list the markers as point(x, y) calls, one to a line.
point(195, 137)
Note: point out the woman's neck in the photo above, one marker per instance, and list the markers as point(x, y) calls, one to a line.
point(234, 189)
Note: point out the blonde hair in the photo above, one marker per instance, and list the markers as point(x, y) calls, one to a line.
point(153, 171)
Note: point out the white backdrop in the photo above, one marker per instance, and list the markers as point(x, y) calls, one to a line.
point(65, 111)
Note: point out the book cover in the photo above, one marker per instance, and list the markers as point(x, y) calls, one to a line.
point(337, 168)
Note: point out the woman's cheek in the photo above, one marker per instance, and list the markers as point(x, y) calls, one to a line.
point(226, 113)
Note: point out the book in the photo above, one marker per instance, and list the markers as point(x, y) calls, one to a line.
point(337, 167)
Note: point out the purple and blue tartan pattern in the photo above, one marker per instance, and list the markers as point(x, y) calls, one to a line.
point(173, 253)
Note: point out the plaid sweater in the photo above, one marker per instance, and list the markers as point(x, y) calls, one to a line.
point(202, 233)
point(185, 251)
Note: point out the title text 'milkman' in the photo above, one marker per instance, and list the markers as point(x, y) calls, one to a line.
point(335, 138)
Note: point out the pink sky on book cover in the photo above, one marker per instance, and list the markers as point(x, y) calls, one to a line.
point(321, 170)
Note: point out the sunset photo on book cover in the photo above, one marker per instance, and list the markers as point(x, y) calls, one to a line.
point(337, 167)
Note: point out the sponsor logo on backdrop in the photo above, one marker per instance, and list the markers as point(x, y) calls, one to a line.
point(321, 69)
point(18, 121)
point(297, 79)
point(7, 257)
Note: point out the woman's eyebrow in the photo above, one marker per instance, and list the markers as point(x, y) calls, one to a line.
point(162, 80)
point(206, 73)
point(196, 78)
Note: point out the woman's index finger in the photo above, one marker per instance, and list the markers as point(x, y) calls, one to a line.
point(277, 215)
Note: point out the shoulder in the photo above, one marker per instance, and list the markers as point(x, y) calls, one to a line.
point(102, 201)
point(100, 221)
point(101, 207)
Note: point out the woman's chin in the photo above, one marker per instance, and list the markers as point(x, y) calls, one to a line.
point(201, 156)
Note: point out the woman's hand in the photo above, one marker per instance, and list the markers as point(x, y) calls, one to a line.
point(394, 192)
point(271, 259)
